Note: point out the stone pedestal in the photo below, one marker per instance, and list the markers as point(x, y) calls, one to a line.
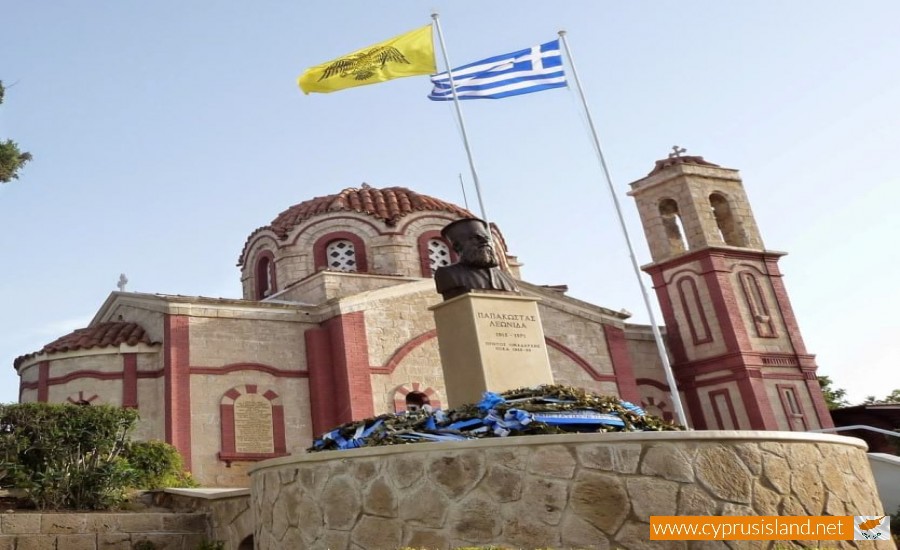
point(490, 342)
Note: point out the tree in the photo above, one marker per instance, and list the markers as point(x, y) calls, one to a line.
point(891, 399)
point(834, 398)
point(11, 158)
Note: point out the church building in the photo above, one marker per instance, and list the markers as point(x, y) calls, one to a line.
point(334, 326)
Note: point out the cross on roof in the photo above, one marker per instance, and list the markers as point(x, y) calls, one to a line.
point(123, 280)
point(676, 151)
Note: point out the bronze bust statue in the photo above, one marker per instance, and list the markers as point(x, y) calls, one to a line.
point(477, 268)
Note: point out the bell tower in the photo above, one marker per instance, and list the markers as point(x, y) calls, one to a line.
point(738, 356)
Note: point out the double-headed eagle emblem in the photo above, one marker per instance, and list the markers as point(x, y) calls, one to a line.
point(363, 65)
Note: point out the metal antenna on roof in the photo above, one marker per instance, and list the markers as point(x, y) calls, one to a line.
point(123, 280)
point(463, 187)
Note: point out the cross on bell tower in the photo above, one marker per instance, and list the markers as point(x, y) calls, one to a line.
point(737, 351)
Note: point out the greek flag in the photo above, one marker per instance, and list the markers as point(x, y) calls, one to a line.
point(522, 72)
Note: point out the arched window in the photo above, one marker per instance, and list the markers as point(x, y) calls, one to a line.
point(438, 254)
point(434, 252)
point(265, 275)
point(729, 229)
point(415, 400)
point(341, 255)
point(671, 219)
point(340, 251)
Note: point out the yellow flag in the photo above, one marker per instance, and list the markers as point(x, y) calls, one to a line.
point(409, 54)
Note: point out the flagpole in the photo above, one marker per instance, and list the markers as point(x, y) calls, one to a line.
point(660, 346)
point(462, 124)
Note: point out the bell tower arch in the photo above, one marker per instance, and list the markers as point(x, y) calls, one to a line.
point(738, 355)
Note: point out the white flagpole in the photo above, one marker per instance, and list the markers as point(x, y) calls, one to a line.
point(462, 124)
point(660, 346)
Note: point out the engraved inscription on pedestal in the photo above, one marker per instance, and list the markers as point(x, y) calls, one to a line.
point(253, 424)
point(490, 342)
point(514, 333)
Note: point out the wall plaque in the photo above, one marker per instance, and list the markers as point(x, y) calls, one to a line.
point(253, 424)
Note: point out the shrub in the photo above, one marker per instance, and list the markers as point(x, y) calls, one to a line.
point(156, 465)
point(66, 456)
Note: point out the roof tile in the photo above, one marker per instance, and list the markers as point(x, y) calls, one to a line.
point(388, 205)
point(100, 335)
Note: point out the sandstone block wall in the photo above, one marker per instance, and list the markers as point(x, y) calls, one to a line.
point(101, 531)
point(564, 491)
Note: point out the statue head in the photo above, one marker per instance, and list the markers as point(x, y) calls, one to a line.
point(470, 239)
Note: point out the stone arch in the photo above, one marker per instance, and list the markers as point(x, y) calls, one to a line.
point(429, 253)
point(321, 250)
point(727, 224)
point(265, 282)
point(428, 395)
point(673, 226)
point(252, 424)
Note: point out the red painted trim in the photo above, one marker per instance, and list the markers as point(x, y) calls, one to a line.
point(756, 402)
point(621, 363)
point(236, 367)
point(129, 381)
point(695, 407)
point(724, 301)
point(267, 233)
point(789, 414)
point(757, 304)
point(654, 383)
point(43, 385)
point(331, 218)
point(228, 451)
point(319, 364)
point(673, 335)
point(818, 400)
point(350, 357)
point(359, 250)
point(404, 350)
point(400, 393)
point(580, 361)
point(151, 373)
point(278, 429)
point(696, 338)
point(228, 458)
point(783, 302)
point(226, 419)
point(176, 339)
point(424, 261)
point(729, 404)
point(401, 229)
point(98, 375)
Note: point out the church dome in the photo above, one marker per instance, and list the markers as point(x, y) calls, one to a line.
point(360, 231)
point(387, 205)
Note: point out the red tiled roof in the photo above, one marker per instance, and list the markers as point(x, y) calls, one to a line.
point(388, 205)
point(672, 161)
point(99, 336)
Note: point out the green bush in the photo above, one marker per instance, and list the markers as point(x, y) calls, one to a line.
point(66, 456)
point(156, 465)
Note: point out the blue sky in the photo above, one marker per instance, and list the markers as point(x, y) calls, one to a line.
point(163, 133)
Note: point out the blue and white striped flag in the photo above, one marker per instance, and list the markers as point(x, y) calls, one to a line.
point(522, 72)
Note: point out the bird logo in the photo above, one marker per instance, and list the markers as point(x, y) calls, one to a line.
point(363, 65)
